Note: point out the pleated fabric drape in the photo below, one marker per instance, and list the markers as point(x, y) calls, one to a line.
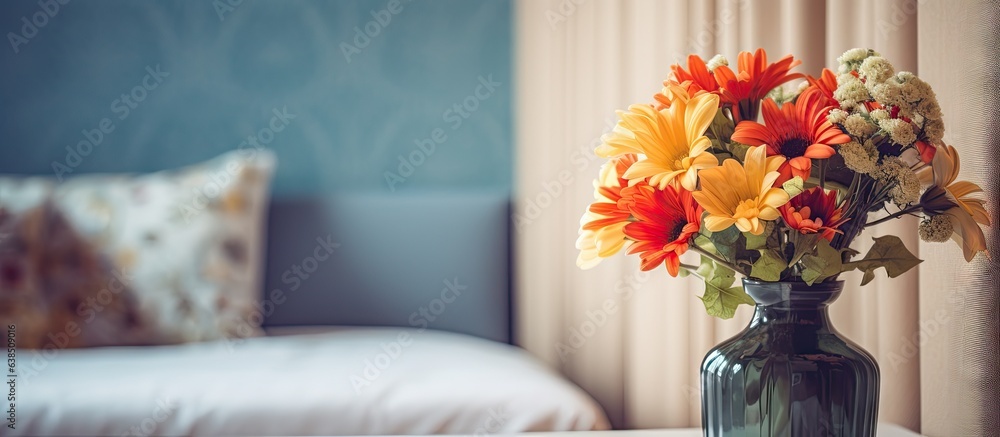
point(959, 302)
point(635, 340)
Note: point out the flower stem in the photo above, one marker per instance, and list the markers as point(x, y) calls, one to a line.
point(692, 270)
point(894, 215)
point(717, 259)
point(822, 174)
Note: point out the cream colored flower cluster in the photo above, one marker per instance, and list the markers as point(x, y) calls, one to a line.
point(852, 59)
point(903, 180)
point(936, 229)
point(716, 62)
point(886, 113)
point(858, 126)
point(909, 108)
point(860, 158)
point(851, 92)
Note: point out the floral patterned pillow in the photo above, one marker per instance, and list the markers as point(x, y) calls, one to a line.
point(167, 257)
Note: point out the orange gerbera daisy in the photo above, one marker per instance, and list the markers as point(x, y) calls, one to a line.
point(601, 227)
point(699, 76)
point(745, 89)
point(798, 131)
point(695, 80)
point(665, 222)
point(814, 211)
point(826, 84)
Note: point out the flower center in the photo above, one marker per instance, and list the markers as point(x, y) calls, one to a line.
point(677, 160)
point(805, 212)
point(747, 209)
point(677, 230)
point(794, 147)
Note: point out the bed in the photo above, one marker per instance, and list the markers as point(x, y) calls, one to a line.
point(404, 330)
point(332, 381)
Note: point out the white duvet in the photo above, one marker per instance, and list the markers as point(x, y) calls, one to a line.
point(348, 381)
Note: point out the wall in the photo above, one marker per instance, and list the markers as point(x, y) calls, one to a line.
point(353, 104)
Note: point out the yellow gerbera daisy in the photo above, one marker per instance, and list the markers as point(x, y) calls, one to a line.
point(602, 226)
point(673, 139)
point(742, 195)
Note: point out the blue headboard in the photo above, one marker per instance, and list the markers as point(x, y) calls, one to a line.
point(354, 117)
point(439, 260)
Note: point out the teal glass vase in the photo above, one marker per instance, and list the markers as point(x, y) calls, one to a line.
point(789, 373)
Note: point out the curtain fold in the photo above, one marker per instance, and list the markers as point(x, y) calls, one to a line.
point(635, 340)
point(959, 301)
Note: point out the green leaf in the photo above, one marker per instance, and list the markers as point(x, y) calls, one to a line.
point(780, 95)
point(757, 242)
point(721, 130)
point(888, 252)
point(739, 150)
point(851, 253)
point(794, 186)
point(703, 239)
point(707, 268)
point(769, 266)
point(723, 302)
point(721, 298)
point(821, 265)
point(727, 242)
point(803, 244)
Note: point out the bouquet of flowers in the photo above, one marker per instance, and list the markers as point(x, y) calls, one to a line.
point(773, 182)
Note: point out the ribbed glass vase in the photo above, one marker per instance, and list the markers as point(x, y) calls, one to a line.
point(789, 373)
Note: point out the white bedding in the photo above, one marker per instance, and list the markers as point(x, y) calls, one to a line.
point(302, 384)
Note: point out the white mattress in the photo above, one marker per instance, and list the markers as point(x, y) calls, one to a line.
point(303, 384)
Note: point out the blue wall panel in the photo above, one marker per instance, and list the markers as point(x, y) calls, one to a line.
point(358, 102)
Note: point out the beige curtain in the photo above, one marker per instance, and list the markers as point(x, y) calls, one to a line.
point(635, 340)
point(959, 302)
